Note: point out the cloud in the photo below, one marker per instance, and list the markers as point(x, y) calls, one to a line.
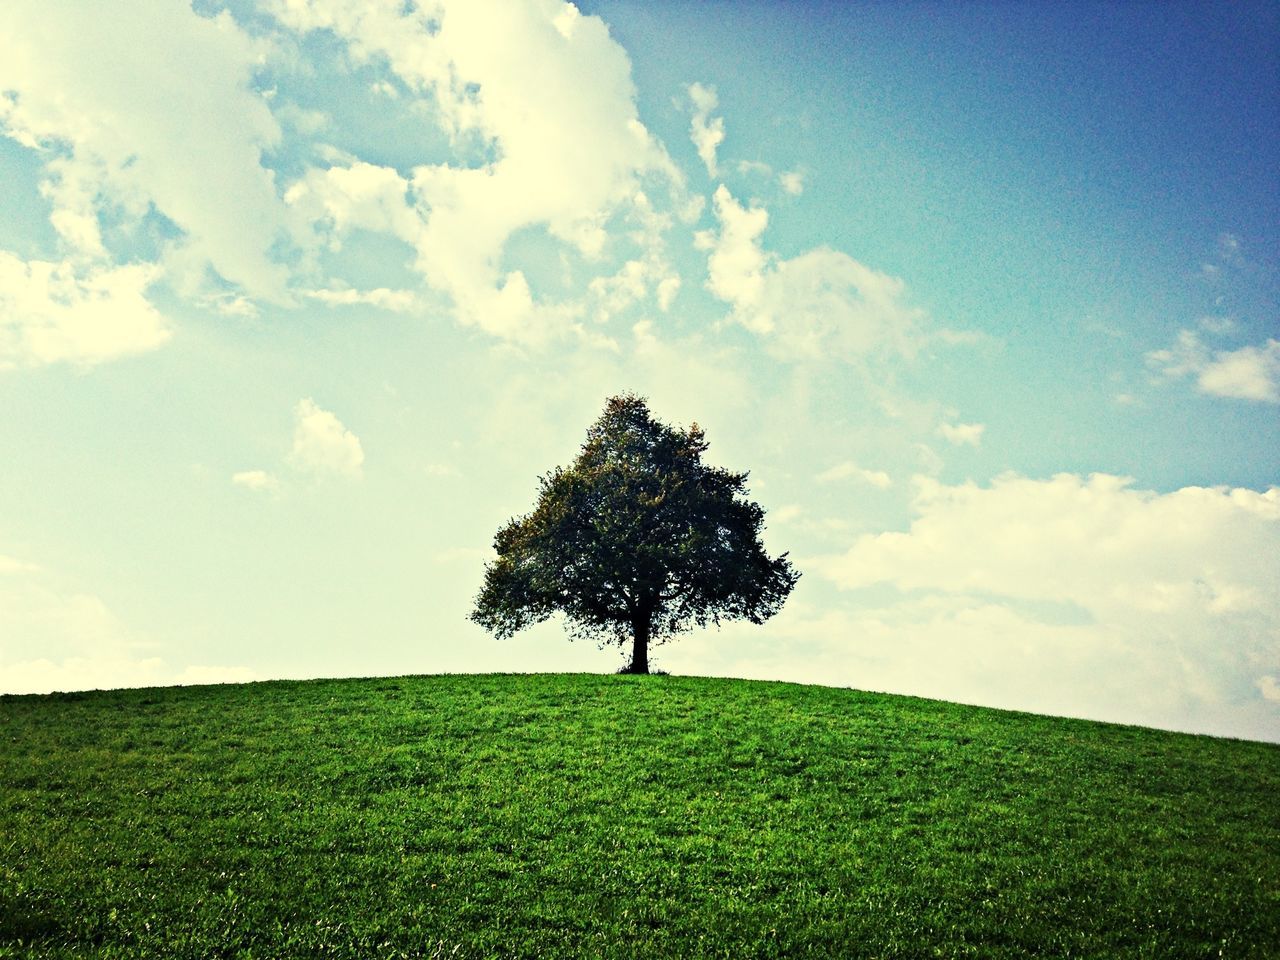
point(99, 671)
point(10, 565)
point(322, 446)
point(819, 304)
point(65, 313)
point(398, 301)
point(792, 182)
point(150, 112)
point(706, 132)
point(848, 469)
point(562, 154)
point(1269, 687)
point(650, 273)
point(736, 263)
point(1249, 373)
point(56, 639)
point(1217, 325)
point(1083, 596)
point(959, 434)
point(358, 196)
point(787, 513)
point(256, 480)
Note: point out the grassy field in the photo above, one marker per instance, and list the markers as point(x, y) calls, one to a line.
point(479, 816)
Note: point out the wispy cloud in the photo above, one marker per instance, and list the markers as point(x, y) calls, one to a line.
point(962, 434)
point(53, 638)
point(11, 565)
point(850, 470)
point(706, 132)
point(792, 182)
point(258, 480)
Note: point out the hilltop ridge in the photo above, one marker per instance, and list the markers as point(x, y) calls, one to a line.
point(570, 815)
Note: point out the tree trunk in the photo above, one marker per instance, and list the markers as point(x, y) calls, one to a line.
point(640, 651)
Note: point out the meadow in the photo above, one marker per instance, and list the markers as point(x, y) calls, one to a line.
point(620, 816)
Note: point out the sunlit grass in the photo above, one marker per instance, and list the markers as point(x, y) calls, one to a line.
point(620, 816)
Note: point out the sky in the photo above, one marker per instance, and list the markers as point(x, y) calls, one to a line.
point(299, 298)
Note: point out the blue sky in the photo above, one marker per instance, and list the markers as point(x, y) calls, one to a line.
point(298, 299)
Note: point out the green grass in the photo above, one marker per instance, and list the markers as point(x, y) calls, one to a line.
point(478, 816)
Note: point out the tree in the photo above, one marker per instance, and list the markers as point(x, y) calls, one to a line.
point(638, 540)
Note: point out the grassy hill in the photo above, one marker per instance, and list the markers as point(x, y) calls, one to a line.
point(477, 816)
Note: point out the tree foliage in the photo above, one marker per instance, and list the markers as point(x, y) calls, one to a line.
point(638, 540)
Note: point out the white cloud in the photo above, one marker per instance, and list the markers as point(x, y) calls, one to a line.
point(259, 480)
point(758, 167)
point(736, 263)
point(55, 639)
point(1217, 325)
point(668, 287)
point(651, 272)
point(848, 470)
point(819, 304)
point(150, 106)
point(562, 154)
point(1082, 596)
point(787, 513)
point(792, 182)
point(10, 565)
point(322, 445)
point(399, 301)
point(60, 312)
point(1249, 373)
point(959, 434)
point(706, 132)
point(98, 671)
point(358, 196)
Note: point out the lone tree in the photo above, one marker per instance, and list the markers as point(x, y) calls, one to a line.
point(637, 541)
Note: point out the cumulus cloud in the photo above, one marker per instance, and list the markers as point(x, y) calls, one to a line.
point(818, 304)
point(259, 480)
point(562, 154)
point(961, 434)
point(849, 470)
point(736, 262)
point(1249, 373)
point(706, 132)
point(83, 315)
point(1083, 596)
point(357, 196)
point(150, 110)
point(322, 446)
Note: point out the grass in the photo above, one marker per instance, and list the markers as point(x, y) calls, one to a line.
point(542, 816)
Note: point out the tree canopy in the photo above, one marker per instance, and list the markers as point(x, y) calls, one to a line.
point(636, 541)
